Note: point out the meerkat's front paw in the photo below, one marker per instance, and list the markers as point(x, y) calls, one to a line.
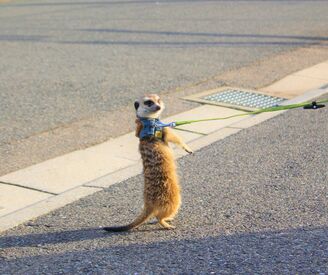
point(187, 149)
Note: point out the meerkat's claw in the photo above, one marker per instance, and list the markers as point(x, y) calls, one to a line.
point(188, 150)
point(166, 225)
point(171, 227)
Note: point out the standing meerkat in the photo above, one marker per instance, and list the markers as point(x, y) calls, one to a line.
point(161, 186)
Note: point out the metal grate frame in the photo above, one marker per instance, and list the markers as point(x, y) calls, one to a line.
point(237, 98)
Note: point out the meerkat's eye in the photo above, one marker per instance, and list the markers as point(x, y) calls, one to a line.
point(149, 103)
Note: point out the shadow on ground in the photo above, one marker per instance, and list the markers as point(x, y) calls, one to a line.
point(292, 251)
point(31, 240)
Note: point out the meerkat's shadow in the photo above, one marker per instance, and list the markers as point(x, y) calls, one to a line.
point(50, 237)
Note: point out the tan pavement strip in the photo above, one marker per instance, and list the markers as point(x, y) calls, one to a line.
point(13, 198)
point(319, 71)
point(68, 171)
point(44, 206)
point(299, 82)
point(293, 85)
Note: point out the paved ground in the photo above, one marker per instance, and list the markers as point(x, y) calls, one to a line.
point(63, 62)
point(255, 202)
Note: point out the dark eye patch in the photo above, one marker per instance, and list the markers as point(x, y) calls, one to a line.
point(149, 103)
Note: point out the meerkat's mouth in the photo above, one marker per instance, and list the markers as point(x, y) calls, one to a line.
point(156, 109)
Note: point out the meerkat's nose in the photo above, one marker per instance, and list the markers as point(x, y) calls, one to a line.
point(158, 108)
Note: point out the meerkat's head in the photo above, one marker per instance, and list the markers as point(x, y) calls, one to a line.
point(149, 106)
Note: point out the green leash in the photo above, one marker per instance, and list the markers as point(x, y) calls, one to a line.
point(306, 105)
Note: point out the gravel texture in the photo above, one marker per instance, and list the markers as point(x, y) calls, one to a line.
point(253, 203)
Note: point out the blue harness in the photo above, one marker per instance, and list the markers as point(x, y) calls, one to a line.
point(153, 127)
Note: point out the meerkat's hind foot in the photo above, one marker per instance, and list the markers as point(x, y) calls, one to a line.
point(166, 225)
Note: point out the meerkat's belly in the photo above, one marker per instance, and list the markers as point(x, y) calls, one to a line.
point(161, 181)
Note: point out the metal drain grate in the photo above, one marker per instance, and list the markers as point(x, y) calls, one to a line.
point(237, 98)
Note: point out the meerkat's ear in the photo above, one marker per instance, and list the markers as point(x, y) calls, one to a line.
point(136, 105)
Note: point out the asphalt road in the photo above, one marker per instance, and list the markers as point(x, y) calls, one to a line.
point(253, 203)
point(65, 61)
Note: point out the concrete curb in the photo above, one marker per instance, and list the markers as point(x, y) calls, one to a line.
point(45, 206)
point(87, 188)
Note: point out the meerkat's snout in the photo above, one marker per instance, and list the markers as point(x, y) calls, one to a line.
point(158, 108)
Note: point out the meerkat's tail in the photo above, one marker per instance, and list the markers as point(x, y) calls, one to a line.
point(142, 218)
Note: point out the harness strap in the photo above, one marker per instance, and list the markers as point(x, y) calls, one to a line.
point(153, 127)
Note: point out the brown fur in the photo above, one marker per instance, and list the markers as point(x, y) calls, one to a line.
point(161, 185)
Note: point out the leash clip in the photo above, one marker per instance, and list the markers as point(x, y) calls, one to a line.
point(314, 106)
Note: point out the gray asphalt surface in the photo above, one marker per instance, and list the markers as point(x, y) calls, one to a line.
point(253, 203)
point(63, 61)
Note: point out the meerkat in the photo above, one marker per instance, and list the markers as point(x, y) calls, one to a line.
point(162, 197)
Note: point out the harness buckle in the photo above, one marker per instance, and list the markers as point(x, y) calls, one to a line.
point(158, 134)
